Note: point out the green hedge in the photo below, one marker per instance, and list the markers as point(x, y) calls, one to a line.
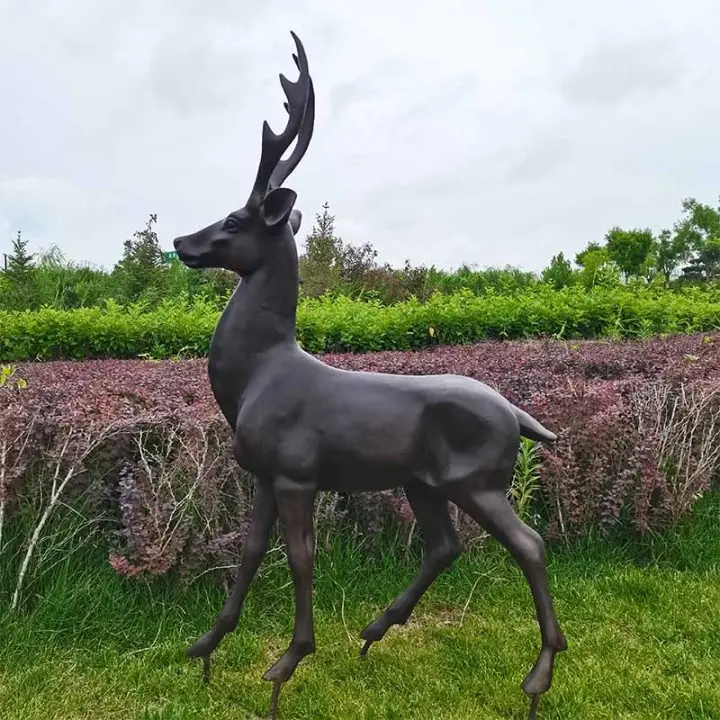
point(341, 324)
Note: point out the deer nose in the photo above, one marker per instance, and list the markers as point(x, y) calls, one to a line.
point(177, 242)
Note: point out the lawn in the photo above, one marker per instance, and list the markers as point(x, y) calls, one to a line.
point(642, 621)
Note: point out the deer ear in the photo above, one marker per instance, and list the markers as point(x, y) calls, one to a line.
point(295, 220)
point(277, 207)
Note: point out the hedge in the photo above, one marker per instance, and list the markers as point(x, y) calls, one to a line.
point(341, 324)
point(142, 446)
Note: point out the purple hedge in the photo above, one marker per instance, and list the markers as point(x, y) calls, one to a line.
point(142, 443)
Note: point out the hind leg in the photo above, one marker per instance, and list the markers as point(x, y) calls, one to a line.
point(443, 547)
point(491, 509)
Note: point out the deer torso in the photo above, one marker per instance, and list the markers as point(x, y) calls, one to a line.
point(293, 415)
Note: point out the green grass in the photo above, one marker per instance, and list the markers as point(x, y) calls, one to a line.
point(642, 621)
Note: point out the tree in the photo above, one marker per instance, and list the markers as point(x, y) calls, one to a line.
point(592, 250)
point(699, 231)
point(631, 250)
point(597, 268)
point(321, 266)
point(357, 262)
point(20, 262)
point(559, 273)
point(415, 280)
point(20, 292)
point(141, 272)
point(706, 264)
point(670, 251)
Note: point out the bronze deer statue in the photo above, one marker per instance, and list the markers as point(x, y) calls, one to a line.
point(301, 426)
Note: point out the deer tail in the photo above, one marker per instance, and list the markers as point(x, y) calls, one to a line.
point(530, 428)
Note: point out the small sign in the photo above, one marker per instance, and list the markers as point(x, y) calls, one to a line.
point(168, 256)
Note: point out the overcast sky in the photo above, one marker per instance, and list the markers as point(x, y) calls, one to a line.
point(492, 133)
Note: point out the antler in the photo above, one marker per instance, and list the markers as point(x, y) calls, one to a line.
point(272, 170)
point(285, 167)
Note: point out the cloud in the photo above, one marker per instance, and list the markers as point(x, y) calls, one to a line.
point(40, 207)
point(540, 159)
point(615, 72)
point(38, 203)
point(487, 133)
point(210, 75)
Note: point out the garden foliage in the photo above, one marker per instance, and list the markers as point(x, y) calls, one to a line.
point(140, 445)
point(341, 324)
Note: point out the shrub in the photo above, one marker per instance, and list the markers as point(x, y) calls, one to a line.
point(344, 325)
point(645, 449)
point(142, 445)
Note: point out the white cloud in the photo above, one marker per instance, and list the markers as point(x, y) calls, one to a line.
point(490, 133)
point(40, 207)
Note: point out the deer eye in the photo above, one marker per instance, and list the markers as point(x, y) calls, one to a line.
point(231, 225)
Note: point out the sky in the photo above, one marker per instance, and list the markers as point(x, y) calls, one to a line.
point(488, 133)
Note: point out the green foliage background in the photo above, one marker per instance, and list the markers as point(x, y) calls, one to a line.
point(633, 284)
point(339, 323)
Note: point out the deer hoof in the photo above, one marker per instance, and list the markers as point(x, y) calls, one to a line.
point(364, 649)
point(539, 678)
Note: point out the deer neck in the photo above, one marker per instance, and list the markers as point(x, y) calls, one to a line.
point(258, 320)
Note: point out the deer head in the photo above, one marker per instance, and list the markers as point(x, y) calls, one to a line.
point(241, 241)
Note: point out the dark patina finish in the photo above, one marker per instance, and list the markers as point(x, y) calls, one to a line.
point(301, 426)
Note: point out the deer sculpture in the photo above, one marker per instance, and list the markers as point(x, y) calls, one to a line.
point(301, 426)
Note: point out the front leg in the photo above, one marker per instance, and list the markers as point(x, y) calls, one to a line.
point(295, 502)
point(262, 520)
